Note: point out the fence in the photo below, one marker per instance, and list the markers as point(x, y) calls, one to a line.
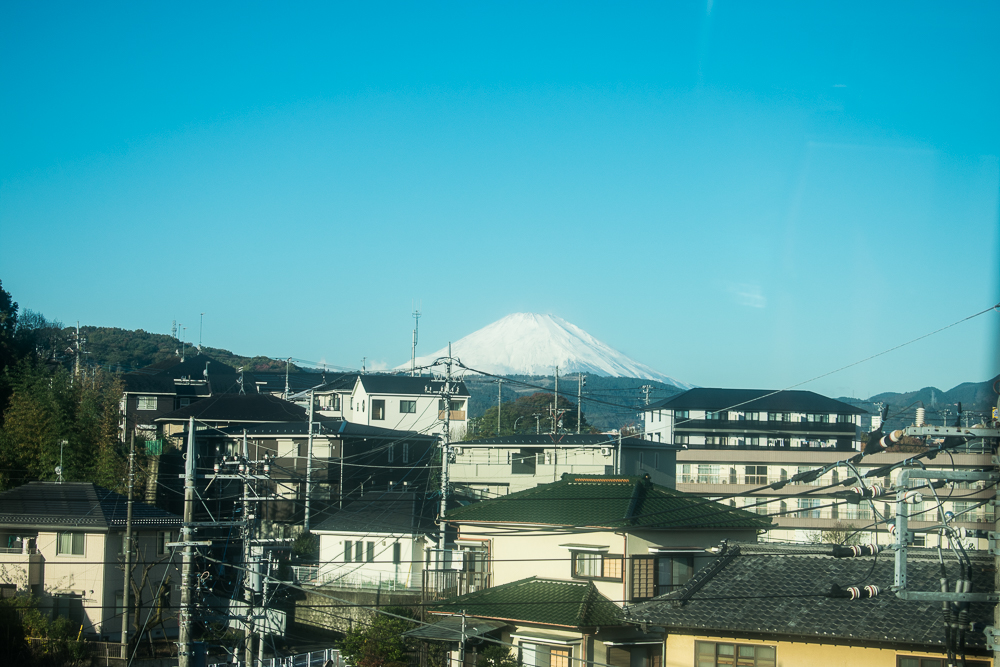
point(311, 659)
point(102, 652)
point(311, 575)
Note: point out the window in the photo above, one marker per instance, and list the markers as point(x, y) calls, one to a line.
point(358, 546)
point(682, 414)
point(408, 407)
point(806, 506)
point(755, 475)
point(406, 452)
point(348, 545)
point(523, 462)
point(397, 553)
point(716, 440)
point(658, 575)
point(845, 419)
point(147, 402)
point(780, 416)
point(818, 419)
point(542, 655)
point(378, 409)
point(635, 655)
point(370, 552)
point(716, 415)
point(456, 406)
point(682, 439)
point(162, 538)
point(70, 544)
point(335, 402)
point(686, 473)
point(68, 606)
point(708, 473)
point(392, 453)
point(712, 654)
point(589, 565)
point(752, 416)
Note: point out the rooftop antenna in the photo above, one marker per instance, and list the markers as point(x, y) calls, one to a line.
point(201, 327)
point(363, 360)
point(413, 349)
point(173, 329)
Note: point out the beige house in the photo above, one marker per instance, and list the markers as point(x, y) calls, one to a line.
point(62, 542)
point(768, 605)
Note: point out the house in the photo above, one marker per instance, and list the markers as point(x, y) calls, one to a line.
point(753, 418)
point(491, 467)
point(346, 458)
point(63, 543)
point(376, 542)
point(771, 605)
point(632, 538)
point(550, 622)
point(397, 402)
point(159, 389)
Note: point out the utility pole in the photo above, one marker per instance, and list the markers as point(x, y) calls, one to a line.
point(445, 452)
point(288, 391)
point(555, 404)
point(127, 548)
point(184, 644)
point(538, 423)
point(413, 348)
point(499, 382)
point(579, 399)
point(309, 462)
point(645, 389)
point(248, 591)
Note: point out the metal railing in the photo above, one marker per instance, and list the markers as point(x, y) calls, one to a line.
point(327, 656)
point(439, 584)
point(313, 576)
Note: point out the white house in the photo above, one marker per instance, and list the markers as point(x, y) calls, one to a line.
point(379, 541)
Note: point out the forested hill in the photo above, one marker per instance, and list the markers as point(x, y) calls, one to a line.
point(122, 349)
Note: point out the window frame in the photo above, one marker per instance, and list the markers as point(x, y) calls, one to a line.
point(378, 409)
point(736, 658)
point(602, 558)
point(142, 402)
point(75, 537)
point(655, 574)
point(407, 407)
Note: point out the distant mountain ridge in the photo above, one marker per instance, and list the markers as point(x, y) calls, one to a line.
point(533, 344)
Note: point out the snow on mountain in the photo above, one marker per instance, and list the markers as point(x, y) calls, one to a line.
point(532, 344)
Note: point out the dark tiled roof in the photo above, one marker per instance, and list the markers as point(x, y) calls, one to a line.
point(340, 383)
point(754, 399)
point(275, 381)
point(330, 428)
point(779, 591)
point(239, 408)
point(407, 385)
point(75, 505)
point(452, 628)
point(607, 502)
point(384, 512)
point(159, 377)
point(567, 604)
point(567, 440)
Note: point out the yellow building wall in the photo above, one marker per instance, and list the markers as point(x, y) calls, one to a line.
point(679, 652)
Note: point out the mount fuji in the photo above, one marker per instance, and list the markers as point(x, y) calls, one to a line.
point(532, 344)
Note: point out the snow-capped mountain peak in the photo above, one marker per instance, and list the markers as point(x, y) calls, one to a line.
point(533, 344)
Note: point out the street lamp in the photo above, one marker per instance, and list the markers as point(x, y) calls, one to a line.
point(517, 420)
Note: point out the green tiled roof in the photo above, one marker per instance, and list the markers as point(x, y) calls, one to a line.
point(607, 502)
point(569, 604)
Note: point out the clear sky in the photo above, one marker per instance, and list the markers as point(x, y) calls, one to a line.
point(736, 194)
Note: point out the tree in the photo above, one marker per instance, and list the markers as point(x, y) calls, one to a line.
point(841, 533)
point(521, 414)
point(497, 656)
point(379, 642)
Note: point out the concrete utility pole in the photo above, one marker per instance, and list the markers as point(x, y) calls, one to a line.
point(555, 404)
point(201, 327)
point(248, 634)
point(413, 348)
point(184, 644)
point(309, 463)
point(127, 548)
point(646, 388)
point(499, 382)
point(445, 451)
point(579, 399)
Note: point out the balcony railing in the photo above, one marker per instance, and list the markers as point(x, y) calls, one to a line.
point(313, 577)
point(440, 584)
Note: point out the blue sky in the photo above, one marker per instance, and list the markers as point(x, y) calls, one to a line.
point(736, 194)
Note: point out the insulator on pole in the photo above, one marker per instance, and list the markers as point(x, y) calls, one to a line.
point(854, 592)
point(856, 550)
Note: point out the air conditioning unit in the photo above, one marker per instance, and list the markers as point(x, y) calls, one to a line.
point(605, 451)
point(457, 450)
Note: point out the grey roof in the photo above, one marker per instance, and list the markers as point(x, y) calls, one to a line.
point(705, 398)
point(451, 629)
point(780, 591)
point(239, 408)
point(343, 382)
point(329, 428)
point(410, 386)
point(76, 505)
point(384, 512)
point(567, 440)
point(159, 377)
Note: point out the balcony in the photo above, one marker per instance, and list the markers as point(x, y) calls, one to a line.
point(767, 429)
point(22, 566)
point(441, 584)
point(456, 415)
